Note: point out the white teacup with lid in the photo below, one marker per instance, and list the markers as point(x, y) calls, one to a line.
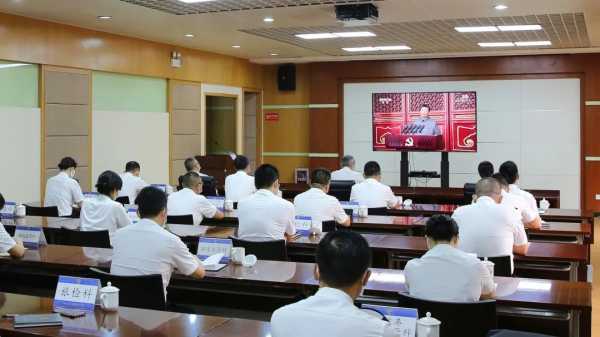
point(428, 326)
point(544, 204)
point(20, 211)
point(109, 298)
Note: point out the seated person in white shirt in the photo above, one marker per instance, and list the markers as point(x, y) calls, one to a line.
point(529, 218)
point(265, 216)
point(446, 273)
point(62, 190)
point(14, 247)
point(132, 183)
point(487, 228)
point(510, 172)
point(102, 212)
point(240, 184)
point(191, 164)
point(317, 204)
point(146, 248)
point(343, 260)
point(347, 171)
point(371, 192)
point(190, 200)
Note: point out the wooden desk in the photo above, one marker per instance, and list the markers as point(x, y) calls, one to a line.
point(284, 281)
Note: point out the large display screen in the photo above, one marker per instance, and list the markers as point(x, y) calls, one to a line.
point(425, 121)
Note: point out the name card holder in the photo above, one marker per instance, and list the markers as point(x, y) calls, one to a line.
point(211, 246)
point(8, 211)
point(90, 194)
point(133, 215)
point(32, 237)
point(303, 225)
point(76, 293)
point(218, 202)
point(353, 205)
point(402, 320)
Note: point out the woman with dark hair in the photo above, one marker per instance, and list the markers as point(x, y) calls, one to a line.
point(62, 190)
point(102, 212)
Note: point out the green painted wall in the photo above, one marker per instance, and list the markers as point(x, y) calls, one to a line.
point(18, 85)
point(116, 92)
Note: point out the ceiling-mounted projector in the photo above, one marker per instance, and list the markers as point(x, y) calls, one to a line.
point(357, 15)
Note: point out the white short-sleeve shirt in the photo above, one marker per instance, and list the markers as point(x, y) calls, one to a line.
point(132, 185)
point(264, 216)
point(102, 213)
point(489, 229)
point(448, 274)
point(186, 202)
point(373, 194)
point(6, 241)
point(346, 173)
point(145, 248)
point(319, 206)
point(518, 203)
point(529, 198)
point(330, 312)
point(238, 186)
point(63, 192)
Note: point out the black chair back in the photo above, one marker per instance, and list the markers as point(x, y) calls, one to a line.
point(180, 219)
point(472, 319)
point(96, 239)
point(341, 189)
point(378, 211)
point(502, 265)
point(51, 211)
point(469, 191)
point(180, 183)
point(123, 200)
point(136, 291)
point(329, 226)
point(264, 250)
point(209, 186)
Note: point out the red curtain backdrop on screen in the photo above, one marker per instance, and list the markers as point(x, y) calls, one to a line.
point(455, 114)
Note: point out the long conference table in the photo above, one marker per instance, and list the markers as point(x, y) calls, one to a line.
point(389, 246)
point(270, 284)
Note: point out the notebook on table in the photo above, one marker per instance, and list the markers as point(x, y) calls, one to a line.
point(29, 321)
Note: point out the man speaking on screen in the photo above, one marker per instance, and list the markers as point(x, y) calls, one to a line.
point(424, 125)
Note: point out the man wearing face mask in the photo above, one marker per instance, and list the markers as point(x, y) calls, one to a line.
point(62, 190)
point(146, 248)
point(424, 125)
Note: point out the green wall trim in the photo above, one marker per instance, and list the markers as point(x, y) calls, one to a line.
point(117, 92)
point(299, 106)
point(19, 85)
point(301, 154)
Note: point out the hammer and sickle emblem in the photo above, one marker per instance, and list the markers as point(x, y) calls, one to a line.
point(409, 142)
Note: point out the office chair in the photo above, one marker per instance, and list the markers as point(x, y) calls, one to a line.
point(123, 200)
point(468, 191)
point(135, 291)
point(502, 265)
point(51, 211)
point(209, 187)
point(473, 319)
point(329, 226)
point(180, 219)
point(341, 189)
point(275, 250)
point(76, 237)
point(378, 211)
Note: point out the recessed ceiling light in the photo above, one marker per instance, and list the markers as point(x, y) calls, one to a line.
point(377, 48)
point(194, 1)
point(268, 19)
point(500, 7)
point(532, 43)
point(274, 54)
point(513, 28)
point(314, 36)
point(386, 48)
point(476, 29)
point(496, 44)
point(104, 17)
point(189, 35)
point(236, 46)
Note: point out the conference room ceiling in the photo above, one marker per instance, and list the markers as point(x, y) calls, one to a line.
point(427, 26)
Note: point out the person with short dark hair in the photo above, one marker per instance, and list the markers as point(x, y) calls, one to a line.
point(488, 228)
point(9, 245)
point(425, 125)
point(102, 212)
point(264, 215)
point(485, 169)
point(132, 182)
point(62, 190)
point(446, 273)
point(371, 192)
point(510, 172)
point(317, 204)
point(240, 184)
point(146, 248)
point(343, 261)
point(190, 200)
point(347, 171)
point(529, 218)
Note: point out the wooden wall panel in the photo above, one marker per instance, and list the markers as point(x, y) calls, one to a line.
point(324, 140)
point(59, 147)
point(186, 122)
point(286, 166)
point(591, 122)
point(289, 133)
point(67, 88)
point(185, 146)
point(67, 119)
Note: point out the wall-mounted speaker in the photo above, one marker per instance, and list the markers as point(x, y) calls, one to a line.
point(286, 77)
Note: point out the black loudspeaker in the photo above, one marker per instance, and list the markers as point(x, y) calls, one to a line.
point(286, 77)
